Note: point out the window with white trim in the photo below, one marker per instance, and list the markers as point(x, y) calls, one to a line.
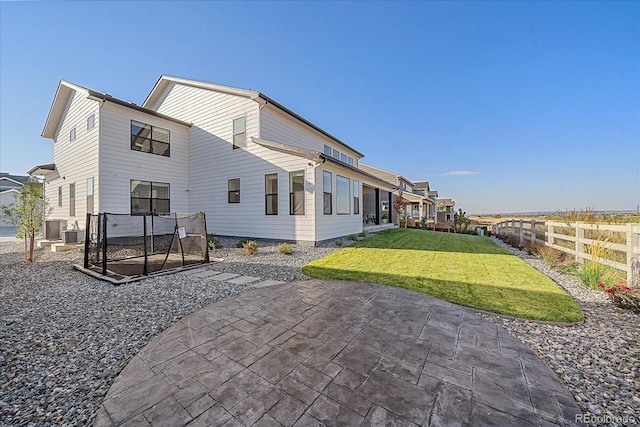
point(342, 195)
point(271, 194)
point(72, 134)
point(234, 190)
point(240, 133)
point(327, 150)
point(356, 197)
point(91, 121)
point(327, 192)
point(296, 193)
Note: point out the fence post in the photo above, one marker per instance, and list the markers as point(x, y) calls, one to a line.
point(513, 227)
point(579, 245)
point(521, 231)
point(550, 239)
point(533, 231)
point(633, 255)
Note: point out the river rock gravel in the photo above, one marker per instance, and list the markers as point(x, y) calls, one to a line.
point(598, 360)
point(65, 336)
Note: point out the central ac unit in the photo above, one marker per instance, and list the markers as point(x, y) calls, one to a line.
point(70, 236)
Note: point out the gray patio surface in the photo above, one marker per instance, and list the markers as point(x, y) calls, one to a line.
point(338, 353)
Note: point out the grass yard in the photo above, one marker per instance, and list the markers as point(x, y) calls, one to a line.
point(467, 270)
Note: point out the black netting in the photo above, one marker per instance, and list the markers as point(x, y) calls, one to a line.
point(121, 245)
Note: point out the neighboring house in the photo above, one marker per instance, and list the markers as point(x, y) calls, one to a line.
point(422, 188)
point(256, 168)
point(419, 205)
point(446, 209)
point(9, 186)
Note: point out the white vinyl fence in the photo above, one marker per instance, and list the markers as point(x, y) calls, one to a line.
point(576, 238)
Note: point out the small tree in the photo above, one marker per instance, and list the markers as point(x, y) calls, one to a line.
point(460, 221)
point(400, 206)
point(27, 214)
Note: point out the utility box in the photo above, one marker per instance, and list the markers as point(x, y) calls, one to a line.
point(70, 236)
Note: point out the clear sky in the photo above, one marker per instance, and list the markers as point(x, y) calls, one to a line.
point(502, 106)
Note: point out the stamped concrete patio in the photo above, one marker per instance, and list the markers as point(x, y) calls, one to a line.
point(338, 353)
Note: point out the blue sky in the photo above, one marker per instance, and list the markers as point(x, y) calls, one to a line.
point(536, 104)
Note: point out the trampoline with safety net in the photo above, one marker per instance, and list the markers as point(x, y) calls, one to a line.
point(122, 248)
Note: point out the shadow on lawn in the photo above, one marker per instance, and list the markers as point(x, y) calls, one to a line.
point(522, 303)
point(426, 240)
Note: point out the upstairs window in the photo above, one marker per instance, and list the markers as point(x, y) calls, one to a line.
point(72, 134)
point(327, 193)
point(91, 121)
point(149, 139)
point(336, 154)
point(60, 196)
point(149, 197)
point(240, 133)
point(350, 161)
point(234, 190)
point(327, 150)
point(343, 157)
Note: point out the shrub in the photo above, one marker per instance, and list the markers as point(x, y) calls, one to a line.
point(352, 237)
point(250, 247)
point(549, 255)
point(339, 243)
point(214, 243)
point(362, 234)
point(285, 248)
point(241, 242)
point(591, 274)
point(623, 296)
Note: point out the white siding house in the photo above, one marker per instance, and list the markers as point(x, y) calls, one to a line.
point(253, 166)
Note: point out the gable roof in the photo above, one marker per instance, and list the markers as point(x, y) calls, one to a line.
point(164, 81)
point(318, 157)
point(18, 179)
point(67, 89)
point(387, 175)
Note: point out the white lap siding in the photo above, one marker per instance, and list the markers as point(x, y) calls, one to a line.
point(75, 161)
point(119, 164)
point(212, 162)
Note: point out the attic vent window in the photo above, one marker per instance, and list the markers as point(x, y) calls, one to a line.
point(150, 139)
point(72, 134)
point(91, 121)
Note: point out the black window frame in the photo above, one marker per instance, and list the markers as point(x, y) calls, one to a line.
point(233, 196)
point(348, 197)
point(139, 140)
point(152, 206)
point(72, 199)
point(327, 196)
point(270, 198)
point(243, 133)
point(292, 194)
point(356, 198)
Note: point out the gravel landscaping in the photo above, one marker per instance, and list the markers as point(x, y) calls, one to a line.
point(65, 336)
point(599, 359)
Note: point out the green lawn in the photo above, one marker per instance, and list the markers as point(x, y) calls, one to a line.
point(462, 269)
